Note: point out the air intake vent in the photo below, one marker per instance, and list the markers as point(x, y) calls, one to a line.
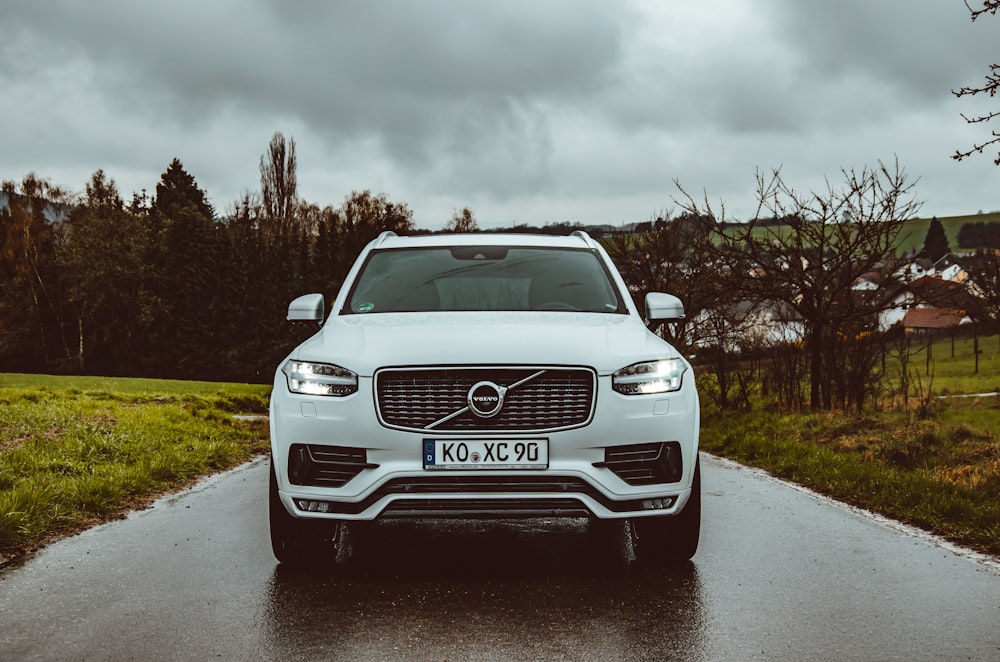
point(645, 464)
point(325, 466)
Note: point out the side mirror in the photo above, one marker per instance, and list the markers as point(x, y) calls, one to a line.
point(662, 307)
point(308, 309)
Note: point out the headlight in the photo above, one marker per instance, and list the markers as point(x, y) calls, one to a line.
point(649, 377)
point(319, 378)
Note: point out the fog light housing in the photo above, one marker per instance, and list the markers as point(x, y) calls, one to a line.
point(307, 506)
point(663, 503)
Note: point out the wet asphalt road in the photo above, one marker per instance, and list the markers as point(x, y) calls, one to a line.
point(780, 575)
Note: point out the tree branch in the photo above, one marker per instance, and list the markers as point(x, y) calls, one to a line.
point(989, 7)
point(978, 149)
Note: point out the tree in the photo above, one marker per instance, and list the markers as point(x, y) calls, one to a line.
point(31, 329)
point(278, 182)
point(183, 276)
point(180, 201)
point(675, 258)
point(362, 217)
point(678, 256)
point(462, 221)
point(102, 265)
point(991, 87)
point(811, 264)
point(984, 285)
point(936, 242)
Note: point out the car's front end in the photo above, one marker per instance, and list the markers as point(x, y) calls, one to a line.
point(506, 405)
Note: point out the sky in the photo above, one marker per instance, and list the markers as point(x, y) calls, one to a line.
point(525, 111)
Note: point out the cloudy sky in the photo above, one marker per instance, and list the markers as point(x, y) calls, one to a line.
point(531, 111)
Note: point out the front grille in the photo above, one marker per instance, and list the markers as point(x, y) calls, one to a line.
point(540, 399)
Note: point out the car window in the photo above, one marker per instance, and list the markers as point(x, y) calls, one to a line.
point(483, 278)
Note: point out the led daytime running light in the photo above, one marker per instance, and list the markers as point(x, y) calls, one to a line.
point(662, 376)
point(309, 378)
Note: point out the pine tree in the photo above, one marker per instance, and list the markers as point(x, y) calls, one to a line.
point(183, 276)
point(936, 243)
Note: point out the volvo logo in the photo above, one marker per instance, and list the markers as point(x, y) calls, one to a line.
point(485, 399)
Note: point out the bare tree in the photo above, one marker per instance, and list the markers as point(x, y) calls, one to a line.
point(984, 274)
point(810, 263)
point(672, 256)
point(678, 256)
point(991, 86)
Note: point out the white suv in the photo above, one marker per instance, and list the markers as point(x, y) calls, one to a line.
point(484, 375)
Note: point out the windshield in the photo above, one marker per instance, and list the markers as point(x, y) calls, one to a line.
point(483, 278)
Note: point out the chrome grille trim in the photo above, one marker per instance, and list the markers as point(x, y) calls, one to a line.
point(434, 399)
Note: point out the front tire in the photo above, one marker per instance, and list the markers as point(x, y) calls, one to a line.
point(675, 538)
point(296, 541)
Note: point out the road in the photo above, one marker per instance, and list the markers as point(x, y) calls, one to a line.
point(781, 575)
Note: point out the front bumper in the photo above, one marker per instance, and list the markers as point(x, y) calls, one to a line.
point(388, 478)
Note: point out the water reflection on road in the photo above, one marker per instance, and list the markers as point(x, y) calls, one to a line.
point(486, 590)
point(780, 575)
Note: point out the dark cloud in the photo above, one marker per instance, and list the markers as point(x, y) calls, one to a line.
point(446, 103)
point(905, 46)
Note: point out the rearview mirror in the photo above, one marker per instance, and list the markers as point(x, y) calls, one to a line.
point(308, 308)
point(662, 307)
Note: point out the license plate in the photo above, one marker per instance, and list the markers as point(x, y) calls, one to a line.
point(486, 454)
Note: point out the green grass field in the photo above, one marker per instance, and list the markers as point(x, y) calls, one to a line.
point(132, 386)
point(75, 451)
point(915, 231)
point(941, 473)
point(952, 368)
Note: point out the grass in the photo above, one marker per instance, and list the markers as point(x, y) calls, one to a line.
point(914, 231)
point(952, 368)
point(75, 451)
point(940, 473)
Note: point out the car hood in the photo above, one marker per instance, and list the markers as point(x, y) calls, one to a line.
point(364, 343)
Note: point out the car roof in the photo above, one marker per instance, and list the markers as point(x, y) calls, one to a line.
point(389, 240)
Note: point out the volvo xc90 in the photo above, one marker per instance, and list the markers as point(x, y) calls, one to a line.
point(481, 376)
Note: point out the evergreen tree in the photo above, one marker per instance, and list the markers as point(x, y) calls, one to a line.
point(936, 243)
point(183, 276)
point(102, 264)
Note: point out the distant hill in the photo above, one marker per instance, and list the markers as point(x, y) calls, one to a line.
point(915, 231)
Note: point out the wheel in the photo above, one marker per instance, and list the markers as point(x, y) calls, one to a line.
point(675, 538)
point(293, 540)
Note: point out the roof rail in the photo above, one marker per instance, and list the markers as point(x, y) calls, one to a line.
point(583, 235)
point(383, 236)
